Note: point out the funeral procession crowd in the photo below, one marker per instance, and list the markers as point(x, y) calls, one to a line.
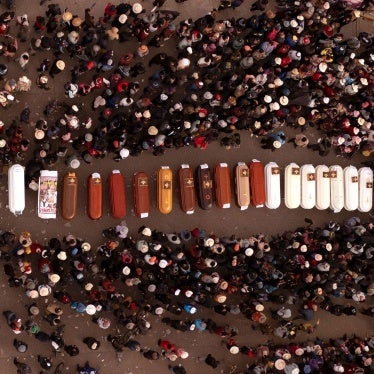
point(141, 78)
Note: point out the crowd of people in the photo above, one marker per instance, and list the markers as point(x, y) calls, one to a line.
point(210, 79)
point(289, 65)
point(280, 284)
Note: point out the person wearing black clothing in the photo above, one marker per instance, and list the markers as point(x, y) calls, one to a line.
point(20, 345)
point(211, 361)
point(151, 355)
point(22, 368)
point(179, 369)
point(72, 350)
point(45, 362)
point(91, 342)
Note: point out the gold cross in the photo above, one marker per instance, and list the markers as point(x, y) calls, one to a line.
point(295, 171)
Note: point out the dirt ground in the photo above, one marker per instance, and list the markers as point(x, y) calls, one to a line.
point(220, 222)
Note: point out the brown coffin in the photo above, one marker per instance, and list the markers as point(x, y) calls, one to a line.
point(165, 190)
point(140, 183)
point(69, 196)
point(222, 185)
point(187, 195)
point(242, 185)
point(257, 183)
point(94, 196)
point(204, 186)
point(117, 197)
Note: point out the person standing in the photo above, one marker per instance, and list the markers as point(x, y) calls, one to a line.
point(23, 60)
point(71, 350)
point(211, 361)
point(57, 67)
point(151, 355)
point(300, 140)
point(92, 343)
point(22, 368)
point(178, 369)
point(20, 345)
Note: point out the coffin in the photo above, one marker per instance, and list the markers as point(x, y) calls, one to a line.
point(322, 187)
point(16, 189)
point(365, 189)
point(204, 184)
point(187, 195)
point(336, 188)
point(69, 196)
point(222, 183)
point(165, 190)
point(242, 192)
point(350, 188)
point(292, 186)
point(257, 183)
point(308, 186)
point(94, 196)
point(47, 194)
point(272, 185)
point(117, 197)
point(141, 195)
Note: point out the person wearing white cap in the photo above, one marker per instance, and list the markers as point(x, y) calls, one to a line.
point(189, 308)
point(295, 55)
point(92, 343)
point(322, 67)
point(183, 63)
point(277, 60)
point(232, 347)
point(274, 106)
point(32, 294)
point(44, 290)
point(283, 100)
point(137, 8)
point(163, 263)
point(57, 67)
point(283, 313)
point(180, 352)
point(126, 271)
point(54, 278)
point(267, 99)
point(159, 310)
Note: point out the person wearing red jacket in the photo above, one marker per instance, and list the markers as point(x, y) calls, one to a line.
point(166, 345)
point(109, 11)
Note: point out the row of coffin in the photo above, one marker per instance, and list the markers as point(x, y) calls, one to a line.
point(307, 186)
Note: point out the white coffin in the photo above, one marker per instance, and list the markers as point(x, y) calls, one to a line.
point(292, 186)
point(308, 186)
point(365, 189)
point(350, 188)
point(336, 188)
point(272, 185)
point(16, 189)
point(322, 187)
